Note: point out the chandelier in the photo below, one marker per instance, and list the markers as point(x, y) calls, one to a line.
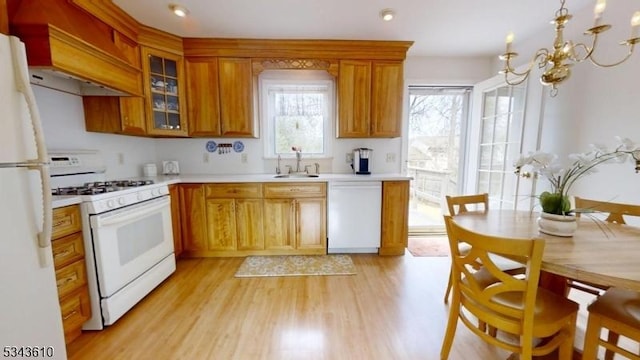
point(557, 62)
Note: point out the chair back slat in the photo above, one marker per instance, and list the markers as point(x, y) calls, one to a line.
point(616, 211)
point(462, 204)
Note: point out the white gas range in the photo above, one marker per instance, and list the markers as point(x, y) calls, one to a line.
point(127, 231)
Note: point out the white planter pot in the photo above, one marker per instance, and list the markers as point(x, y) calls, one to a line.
point(558, 225)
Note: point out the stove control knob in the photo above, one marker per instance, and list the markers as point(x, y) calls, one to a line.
point(121, 201)
point(110, 203)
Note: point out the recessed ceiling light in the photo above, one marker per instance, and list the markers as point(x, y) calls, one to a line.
point(387, 14)
point(179, 10)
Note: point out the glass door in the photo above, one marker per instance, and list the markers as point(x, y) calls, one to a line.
point(506, 122)
point(437, 123)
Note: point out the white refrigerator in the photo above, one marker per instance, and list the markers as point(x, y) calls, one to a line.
point(30, 320)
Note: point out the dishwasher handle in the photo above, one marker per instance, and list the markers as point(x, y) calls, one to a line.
point(356, 184)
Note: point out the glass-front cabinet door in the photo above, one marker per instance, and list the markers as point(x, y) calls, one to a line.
point(164, 91)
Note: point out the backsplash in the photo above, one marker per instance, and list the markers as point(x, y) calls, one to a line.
point(63, 122)
point(63, 125)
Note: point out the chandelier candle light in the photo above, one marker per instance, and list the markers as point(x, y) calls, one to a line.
point(558, 61)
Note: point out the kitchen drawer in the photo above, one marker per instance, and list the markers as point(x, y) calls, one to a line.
point(75, 309)
point(70, 277)
point(66, 220)
point(234, 191)
point(67, 250)
point(295, 190)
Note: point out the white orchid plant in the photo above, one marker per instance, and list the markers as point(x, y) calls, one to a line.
point(562, 177)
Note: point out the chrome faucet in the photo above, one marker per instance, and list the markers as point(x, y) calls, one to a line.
point(298, 151)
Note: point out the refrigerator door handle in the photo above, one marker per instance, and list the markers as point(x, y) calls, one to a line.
point(44, 236)
point(22, 84)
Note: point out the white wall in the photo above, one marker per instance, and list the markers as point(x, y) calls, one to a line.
point(596, 104)
point(422, 70)
point(63, 124)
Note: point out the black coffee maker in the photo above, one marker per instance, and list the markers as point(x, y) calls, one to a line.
point(360, 164)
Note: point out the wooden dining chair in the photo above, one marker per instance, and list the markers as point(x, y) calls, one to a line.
point(615, 213)
point(458, 204)
point(477, 203)
point(618, 311)
point(513, 305)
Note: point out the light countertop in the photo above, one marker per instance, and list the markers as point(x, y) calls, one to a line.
point(66, 200)
point(195, 178)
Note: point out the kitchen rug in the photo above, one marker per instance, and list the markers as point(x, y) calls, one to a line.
point(432, 245)
point(296, 265)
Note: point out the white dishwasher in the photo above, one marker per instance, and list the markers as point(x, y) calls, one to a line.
point(354, 216)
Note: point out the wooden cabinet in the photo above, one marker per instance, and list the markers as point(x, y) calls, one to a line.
point(295, 217)
point(234, 217)
point(193, 219)
point(236, 96)
point(386, 98)
point(370, 99)
point(239, 219)
point(62, 37)
point(115, 115)
point(221, 219)
point(71, 278)
point(220, 97)
point(203, 96)
point(164, 88)
point(395, 217)
point(174, 194)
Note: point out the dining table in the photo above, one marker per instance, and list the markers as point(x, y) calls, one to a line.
point(606, 254)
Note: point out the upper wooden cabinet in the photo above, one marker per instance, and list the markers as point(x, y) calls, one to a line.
point(116, 115)
point(236, 96)
point(203, 97)
point(354, 98)
point(370, 99)
point(220, 97)
point(164, 89)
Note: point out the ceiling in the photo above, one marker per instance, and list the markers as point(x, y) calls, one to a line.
point(457, 28)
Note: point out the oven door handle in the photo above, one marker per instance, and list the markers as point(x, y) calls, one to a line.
point(129, 215)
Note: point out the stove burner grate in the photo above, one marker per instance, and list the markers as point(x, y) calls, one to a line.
point(100, 187)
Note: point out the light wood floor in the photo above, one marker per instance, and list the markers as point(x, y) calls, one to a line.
point(392, 309)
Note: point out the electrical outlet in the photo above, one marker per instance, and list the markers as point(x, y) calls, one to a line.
point(243, 158)
point(391, 157)
point(205, 157)
point(349, 158)
point(121, 158)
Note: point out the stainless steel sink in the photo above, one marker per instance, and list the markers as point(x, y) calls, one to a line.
point(281, 176)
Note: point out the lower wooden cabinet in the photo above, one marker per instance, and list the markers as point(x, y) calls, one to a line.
point(71, 274)
point(253, 219)
point(296, 224)
point(234, 224)
point(296, 217)
point(174, 194)
point(193, 220)
point(280, 218)
point(395, 218)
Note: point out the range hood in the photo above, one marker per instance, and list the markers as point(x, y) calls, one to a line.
point(57, 80)
point(65, 42)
